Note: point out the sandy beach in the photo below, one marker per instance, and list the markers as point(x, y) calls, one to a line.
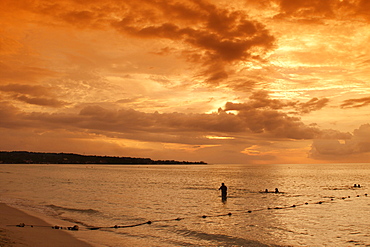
point(45, 236)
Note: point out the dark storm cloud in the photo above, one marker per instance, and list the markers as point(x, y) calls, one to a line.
point(334, 149)
point(127, 120)
point(216, 35)
point(41, 101)
point(219, 36)
point(32, 94)
point(312, 105)
point(204, 33)
point(225, 34)
point(261, 100)
point(260, 116)
point(355, 103)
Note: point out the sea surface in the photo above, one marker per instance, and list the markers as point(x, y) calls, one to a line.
point(180, 205)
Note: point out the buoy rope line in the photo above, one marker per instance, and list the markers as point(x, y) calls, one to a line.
point(76, 227)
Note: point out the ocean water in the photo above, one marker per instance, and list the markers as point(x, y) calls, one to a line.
point(318, 204)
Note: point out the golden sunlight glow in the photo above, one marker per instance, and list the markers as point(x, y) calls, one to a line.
point(220, 137)
point(155, 81)
point(184, 147)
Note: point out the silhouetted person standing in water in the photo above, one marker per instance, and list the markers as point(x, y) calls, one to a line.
point(223, 189)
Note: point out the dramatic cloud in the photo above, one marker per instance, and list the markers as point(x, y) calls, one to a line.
point(23, 92)
point(219, 36)
point(203, 32)
point(262, 100)
point(260, 115)
point(145, 78)
point(355, 103)
point(334, 149)
point(41, 101)
point(312, 105)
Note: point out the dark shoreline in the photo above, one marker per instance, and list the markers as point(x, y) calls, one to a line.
point(25, 157)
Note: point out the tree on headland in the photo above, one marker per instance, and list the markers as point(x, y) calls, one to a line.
point(24, 157)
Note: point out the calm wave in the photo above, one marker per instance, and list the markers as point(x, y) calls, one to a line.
point(181, 205)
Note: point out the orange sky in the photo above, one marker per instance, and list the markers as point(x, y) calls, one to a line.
point(246, 81)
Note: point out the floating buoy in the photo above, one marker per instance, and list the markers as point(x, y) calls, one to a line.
point(73, 228)
point(76, 227)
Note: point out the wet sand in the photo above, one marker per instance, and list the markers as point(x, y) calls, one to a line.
point(45, 236)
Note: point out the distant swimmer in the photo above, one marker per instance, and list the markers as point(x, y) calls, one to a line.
point(276, 190)
point(266, 191)
point(223, 189)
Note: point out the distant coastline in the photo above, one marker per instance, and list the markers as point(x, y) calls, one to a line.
point(25, 157)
